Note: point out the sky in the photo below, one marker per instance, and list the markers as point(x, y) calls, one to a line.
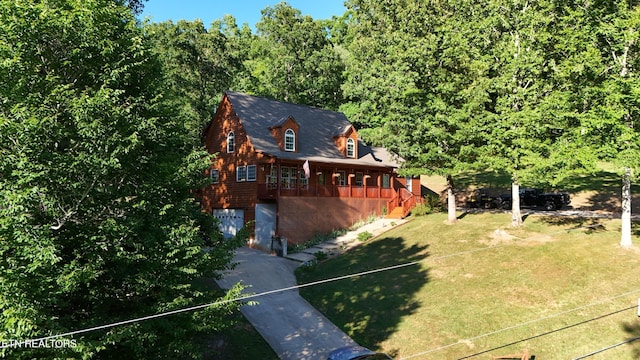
point(244, 11)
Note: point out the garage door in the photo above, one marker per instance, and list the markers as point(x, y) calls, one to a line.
point(230, 221)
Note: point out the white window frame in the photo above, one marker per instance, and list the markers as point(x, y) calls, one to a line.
point(214, 174)
point(231, 142)
point(303, 182)
point(272, 178)
point(252, 172)
point(351, 148)
point(359, 179)
point(241, 173)
point(289, 140)
point(285, 177)
point(288, 178)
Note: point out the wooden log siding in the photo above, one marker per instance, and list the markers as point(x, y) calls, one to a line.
point(325, 202)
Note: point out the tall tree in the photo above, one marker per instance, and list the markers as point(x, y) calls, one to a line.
point(529, 133)
point(614, 102)
point(97, 219)
point(417, 72)
point(198, 64)
point(293, 60)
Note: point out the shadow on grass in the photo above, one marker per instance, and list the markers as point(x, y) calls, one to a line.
point(633, 331)
point(483, 179)
point(603, 187)
point(369, 307)
point(590, 225)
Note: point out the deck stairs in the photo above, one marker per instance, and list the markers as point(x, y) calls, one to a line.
point(396, 213)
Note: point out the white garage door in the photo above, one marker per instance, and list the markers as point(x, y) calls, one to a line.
point(231, 220)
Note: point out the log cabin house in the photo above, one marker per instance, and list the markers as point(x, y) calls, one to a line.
point(296, 171)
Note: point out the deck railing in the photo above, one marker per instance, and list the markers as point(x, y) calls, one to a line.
point(404, 198)
point(270, 191)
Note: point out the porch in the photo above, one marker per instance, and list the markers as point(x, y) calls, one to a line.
point(277, 180)
point(270, 191)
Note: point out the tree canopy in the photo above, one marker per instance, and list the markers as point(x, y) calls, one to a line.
point(97, 217)
point(100, 121)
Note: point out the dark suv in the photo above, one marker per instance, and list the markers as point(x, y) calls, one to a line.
point(536, 198)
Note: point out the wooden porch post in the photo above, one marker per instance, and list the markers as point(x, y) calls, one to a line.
point(297, 180)
point(365, 176)
point(278, 176)
point(333, 182)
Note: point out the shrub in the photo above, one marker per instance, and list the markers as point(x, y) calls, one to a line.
point(321, 255)
point(431, 204)
point(364, 236)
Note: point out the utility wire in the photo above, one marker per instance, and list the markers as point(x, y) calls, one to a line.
point(608, 348)
point(548, 332)
point(249, 297)
point(524, 324)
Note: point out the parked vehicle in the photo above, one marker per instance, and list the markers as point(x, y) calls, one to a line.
point(482, 198)
point(536, 198)
point(356, 352)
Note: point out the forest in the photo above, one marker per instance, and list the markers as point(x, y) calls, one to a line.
point(541, 90)
point(101, 117)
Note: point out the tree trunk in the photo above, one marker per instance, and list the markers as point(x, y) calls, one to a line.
point(625, 239)
point(451, 201)
point(516, 214)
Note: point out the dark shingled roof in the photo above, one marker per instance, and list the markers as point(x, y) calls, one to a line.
point(315, 137)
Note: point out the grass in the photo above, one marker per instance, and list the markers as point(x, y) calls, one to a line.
point(240, 342)
point(600, 190)
point(480, 276)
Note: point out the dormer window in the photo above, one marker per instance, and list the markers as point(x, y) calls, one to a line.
point(351, 148)
point(289, 140)
point(231, 142)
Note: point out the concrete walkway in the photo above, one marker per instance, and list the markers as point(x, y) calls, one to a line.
point(288, 323)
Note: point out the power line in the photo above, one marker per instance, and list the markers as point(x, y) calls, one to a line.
point(608, 348)
point(249, 297)
point(524, 324)
point(548, 332)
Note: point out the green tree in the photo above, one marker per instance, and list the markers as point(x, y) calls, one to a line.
point(97, 218)
point(292, 59)
point(613, 98)
point(198, 64)
point(135, 5)
point(530, 131)
point(417, 73)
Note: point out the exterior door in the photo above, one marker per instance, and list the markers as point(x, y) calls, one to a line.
point(230, 221)
point(265, 224)
point(409, 182)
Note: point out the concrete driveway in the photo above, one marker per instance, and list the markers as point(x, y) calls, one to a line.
point(294, 329)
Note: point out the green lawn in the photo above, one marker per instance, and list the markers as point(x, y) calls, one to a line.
point(456, 302)
point(240, 342)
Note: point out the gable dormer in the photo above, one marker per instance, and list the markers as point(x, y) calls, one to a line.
point(347, 142)
point(286, 134)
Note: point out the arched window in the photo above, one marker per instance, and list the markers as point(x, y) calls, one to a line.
point(351, 148)
point(289, 140)
point(231, 142)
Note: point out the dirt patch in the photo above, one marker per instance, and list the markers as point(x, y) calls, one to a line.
point(536, 239)
point(498, 237)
